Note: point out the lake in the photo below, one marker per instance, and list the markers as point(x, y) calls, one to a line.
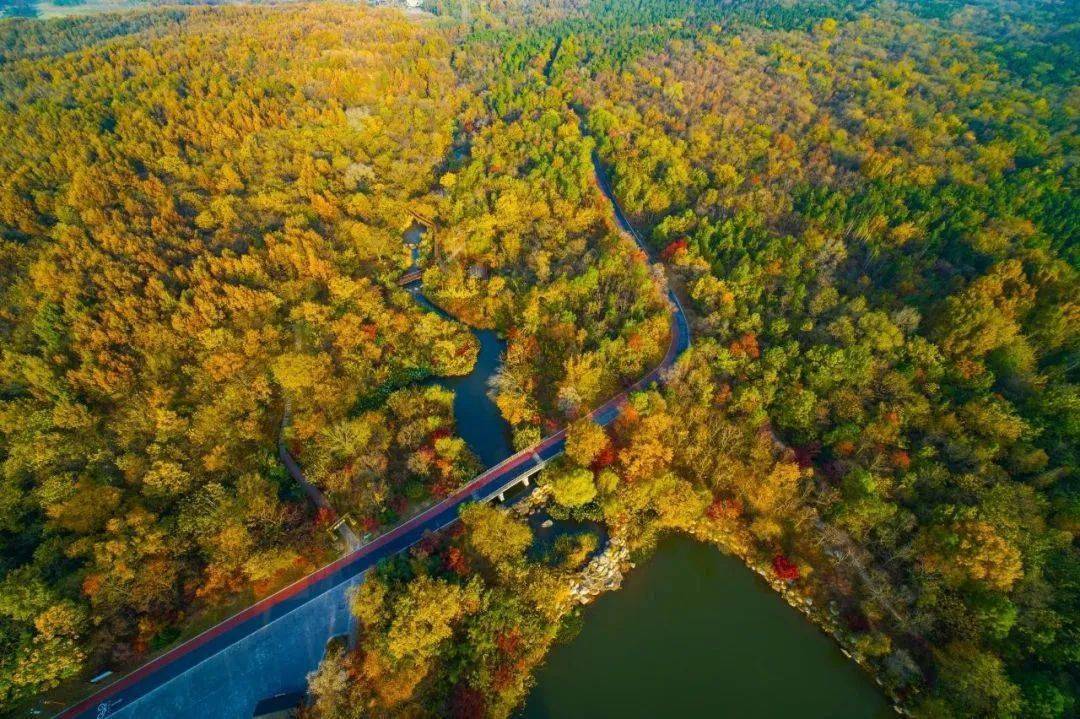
point(694, 633)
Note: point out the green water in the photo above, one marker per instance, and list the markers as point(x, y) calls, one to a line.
point(694, 633)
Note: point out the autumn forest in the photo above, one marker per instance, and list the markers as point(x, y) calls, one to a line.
point(869, 209)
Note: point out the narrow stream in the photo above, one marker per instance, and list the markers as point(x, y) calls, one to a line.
point(478, 419)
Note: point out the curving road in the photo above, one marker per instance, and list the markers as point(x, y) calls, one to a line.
point(262, 650)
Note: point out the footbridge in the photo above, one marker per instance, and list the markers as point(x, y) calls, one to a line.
point(270, 647)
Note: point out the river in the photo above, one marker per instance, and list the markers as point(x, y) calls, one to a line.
point(694, 633)
point(476, 415)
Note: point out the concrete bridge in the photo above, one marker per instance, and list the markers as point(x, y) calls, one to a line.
point(522, 479)
point(414, 274)
point(270, 647)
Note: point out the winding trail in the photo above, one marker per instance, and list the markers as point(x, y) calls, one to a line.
point(269, 648)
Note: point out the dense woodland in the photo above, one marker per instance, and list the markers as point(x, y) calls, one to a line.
point(871, 210)
point(200, 228)
point(877, 221)
point(529, 247)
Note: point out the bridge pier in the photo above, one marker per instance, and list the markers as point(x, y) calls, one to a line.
point(501, 494)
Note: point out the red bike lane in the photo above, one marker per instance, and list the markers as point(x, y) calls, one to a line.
point(140, 682)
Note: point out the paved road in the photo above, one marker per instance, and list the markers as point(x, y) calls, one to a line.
point(270, 647)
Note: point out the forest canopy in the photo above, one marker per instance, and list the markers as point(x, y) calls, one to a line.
point(870, 210)
point(200, 225)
